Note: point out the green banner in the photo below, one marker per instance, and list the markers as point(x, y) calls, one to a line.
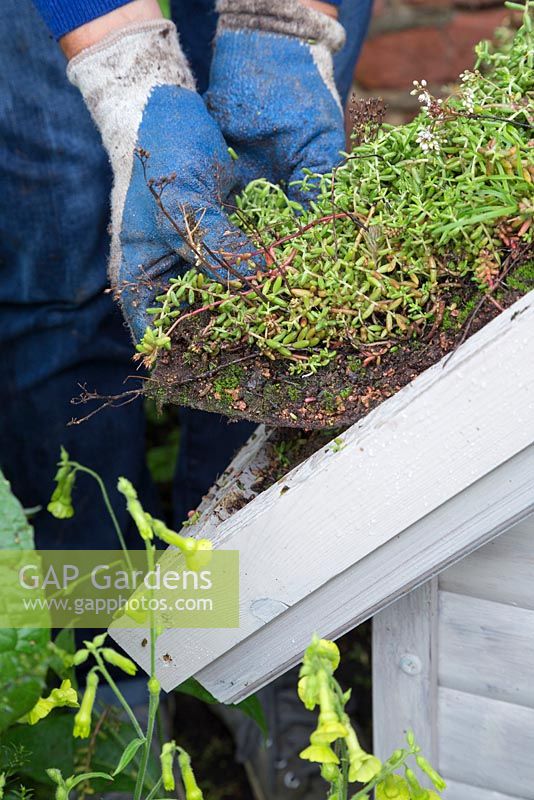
point(98, 588)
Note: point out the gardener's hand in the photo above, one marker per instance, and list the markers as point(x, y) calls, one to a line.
point(172, 170)
point(272, 89)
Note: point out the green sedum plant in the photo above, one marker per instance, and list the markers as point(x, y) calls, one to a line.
point(410, 215)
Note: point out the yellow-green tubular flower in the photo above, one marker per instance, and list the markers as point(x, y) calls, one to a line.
point(167, 535)
point(2, 784)
point(363, 766)
point(99, 639)
point(197, 552)
point(56, 777)
point(320, 754)
point(330, 772)
point(327, 696)
point(308, 689)
point(118, 660)
point(132, 609)
point(367, 770)
point(200, 557)
point(79, 657)
point(138, 514)
point(58, 698)
point(416, 790)
point(82, 720)
point(154, 686)
point(60, 505)
point(329, 729)
point(434, 776)
point(192, 789)
point(327, 651)
point(394, 787)
point(166, 760)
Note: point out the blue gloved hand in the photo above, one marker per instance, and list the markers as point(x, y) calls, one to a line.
point(272, 89)
point(172, 170)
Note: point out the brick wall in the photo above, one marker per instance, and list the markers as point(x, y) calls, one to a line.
point(414, 39)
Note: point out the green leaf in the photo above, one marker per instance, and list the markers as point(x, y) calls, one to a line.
point(193, 688)
point(87, 776)
point(128, 755)
point(23, 651)
point(483, 216)
point(15, 531)
point(251, 706)
point(63, 644)
point(41, 742)
point(113, 738)
point(161, 459)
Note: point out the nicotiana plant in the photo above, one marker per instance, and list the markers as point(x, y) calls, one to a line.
point(334, 745)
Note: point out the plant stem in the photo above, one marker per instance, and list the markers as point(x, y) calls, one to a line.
point(153, 702)
point(344, 771)
point(154, 791)
point(109, 508)
point(118, 694)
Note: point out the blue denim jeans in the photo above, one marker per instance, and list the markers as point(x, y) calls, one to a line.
point(59, 329)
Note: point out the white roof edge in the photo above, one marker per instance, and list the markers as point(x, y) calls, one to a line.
point(412, 459)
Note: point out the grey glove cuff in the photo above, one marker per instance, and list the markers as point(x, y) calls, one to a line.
point(117, 75)
point(286, 17)
point(116, 78)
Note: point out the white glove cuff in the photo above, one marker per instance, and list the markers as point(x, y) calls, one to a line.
point(286, 17)
point(117, 75)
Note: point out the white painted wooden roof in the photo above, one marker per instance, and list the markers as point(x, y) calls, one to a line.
point(431, 474)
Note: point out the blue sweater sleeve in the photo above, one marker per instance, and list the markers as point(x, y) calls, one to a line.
point(63, 16)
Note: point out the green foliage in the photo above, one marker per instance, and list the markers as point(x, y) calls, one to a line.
point(161, 459)
point(15, 532)
point(251, 706)
point(523, 278)
point(165, 8)
point(40, 742)
point(98, 748)
point(406, 218)
point(24, 653)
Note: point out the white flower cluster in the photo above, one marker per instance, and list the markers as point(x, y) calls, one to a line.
point(427, 140)
point(468, 92)
point(425, 98)
point(429, 104)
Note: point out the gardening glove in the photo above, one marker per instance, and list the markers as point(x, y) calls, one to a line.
point(171, 166)
point(272, 89)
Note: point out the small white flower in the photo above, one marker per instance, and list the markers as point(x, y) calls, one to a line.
point(423, 95)
point(469, 100)
point(427, 140)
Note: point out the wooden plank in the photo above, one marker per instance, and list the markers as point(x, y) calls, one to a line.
point(486, 742)
point(502, 571)
point(461, 791)
point(237, 481)
point(458, 526)
point(484, 510)
point(336, 511)
point(405, 683)
point(486, 648)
